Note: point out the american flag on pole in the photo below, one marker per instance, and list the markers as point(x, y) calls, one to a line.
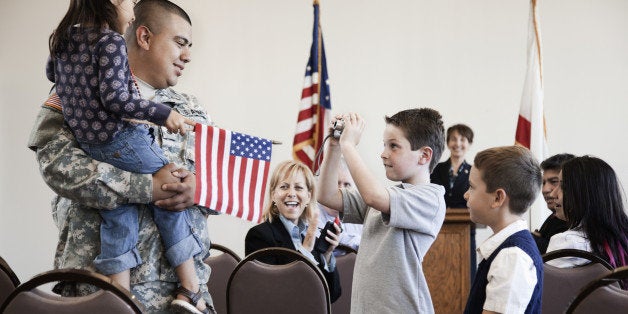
point(531, 123)
point(231, 171)
point(315, 108)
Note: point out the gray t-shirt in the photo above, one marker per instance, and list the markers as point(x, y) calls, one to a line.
point(388, 275)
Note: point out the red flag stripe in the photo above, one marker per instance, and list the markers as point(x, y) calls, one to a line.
point(524, 130)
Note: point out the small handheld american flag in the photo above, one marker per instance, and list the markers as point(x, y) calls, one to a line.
point(231, 171)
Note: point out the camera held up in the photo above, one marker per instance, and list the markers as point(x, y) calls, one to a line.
point(339, 125)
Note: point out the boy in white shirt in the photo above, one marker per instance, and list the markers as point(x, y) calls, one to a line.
point(503, 183)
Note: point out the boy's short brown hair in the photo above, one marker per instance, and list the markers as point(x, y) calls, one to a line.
point(514, 169)
point(422, 127)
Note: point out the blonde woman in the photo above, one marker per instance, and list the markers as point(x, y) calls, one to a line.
point(290, 221)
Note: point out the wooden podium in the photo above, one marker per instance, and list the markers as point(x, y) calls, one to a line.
point(446, 264)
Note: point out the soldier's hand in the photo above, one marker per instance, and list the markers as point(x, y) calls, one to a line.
point(163, 176)
point(183, 191)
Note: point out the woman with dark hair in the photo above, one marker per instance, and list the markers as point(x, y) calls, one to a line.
point(590, 199)
point(453, 175)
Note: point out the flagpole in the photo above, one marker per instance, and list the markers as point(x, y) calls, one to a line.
point(537, 132)
point(537, 31)
point(538, 38)
point(315, 107)
point(320, 111)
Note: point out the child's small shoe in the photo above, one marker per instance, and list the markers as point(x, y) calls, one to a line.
point(183, 306)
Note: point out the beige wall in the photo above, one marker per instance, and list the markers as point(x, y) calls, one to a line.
point(464, 58)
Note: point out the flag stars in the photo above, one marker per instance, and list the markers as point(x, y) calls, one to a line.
point(250, 147)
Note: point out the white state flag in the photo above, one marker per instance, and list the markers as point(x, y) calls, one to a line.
point(531, 122)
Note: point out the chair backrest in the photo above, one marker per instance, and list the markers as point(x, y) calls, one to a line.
point(561, 285)
point(344, 249)
point(603, 295)
point(221, 267)
point(296, 287)
point(111, 298)
point(8, 280)
point(345, 264)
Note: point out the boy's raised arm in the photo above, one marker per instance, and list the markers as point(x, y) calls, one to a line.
point(328, 193)
point(374, 194)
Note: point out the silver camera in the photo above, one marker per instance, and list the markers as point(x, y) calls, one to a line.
point(339, 125)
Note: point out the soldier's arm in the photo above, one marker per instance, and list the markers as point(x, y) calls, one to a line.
point(71, 173)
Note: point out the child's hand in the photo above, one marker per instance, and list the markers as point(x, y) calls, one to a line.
point(353, 127)
point(176, 123)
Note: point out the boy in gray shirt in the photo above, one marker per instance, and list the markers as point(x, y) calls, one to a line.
point(400, 222)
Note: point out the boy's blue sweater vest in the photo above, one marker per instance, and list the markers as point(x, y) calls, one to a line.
point(524, 241)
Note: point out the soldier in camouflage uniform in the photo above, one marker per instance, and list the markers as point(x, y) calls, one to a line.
point(85, 185)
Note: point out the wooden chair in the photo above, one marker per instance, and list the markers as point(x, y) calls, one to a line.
point(603, 295)
point(8, 280)
point(345, 264)
point(111, 298)
point(221, 267)
point(296, 287)
point(561, 285)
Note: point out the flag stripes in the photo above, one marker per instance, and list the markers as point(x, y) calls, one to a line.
point(231, 171)
point(315, 106)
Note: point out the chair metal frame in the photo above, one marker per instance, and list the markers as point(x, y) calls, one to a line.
point(77, 275)
point(226, 250)
point(594, 259)
point(575, 253)
point(294, 256)
point(220, 301)
point(5, 268)
point(12, 283)
point(618, 274)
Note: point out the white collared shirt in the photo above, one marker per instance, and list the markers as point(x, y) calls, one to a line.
point(512, 276)
point(570, 239)
point(297, 233)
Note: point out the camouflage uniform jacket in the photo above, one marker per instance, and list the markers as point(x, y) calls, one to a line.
point(84, 185)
